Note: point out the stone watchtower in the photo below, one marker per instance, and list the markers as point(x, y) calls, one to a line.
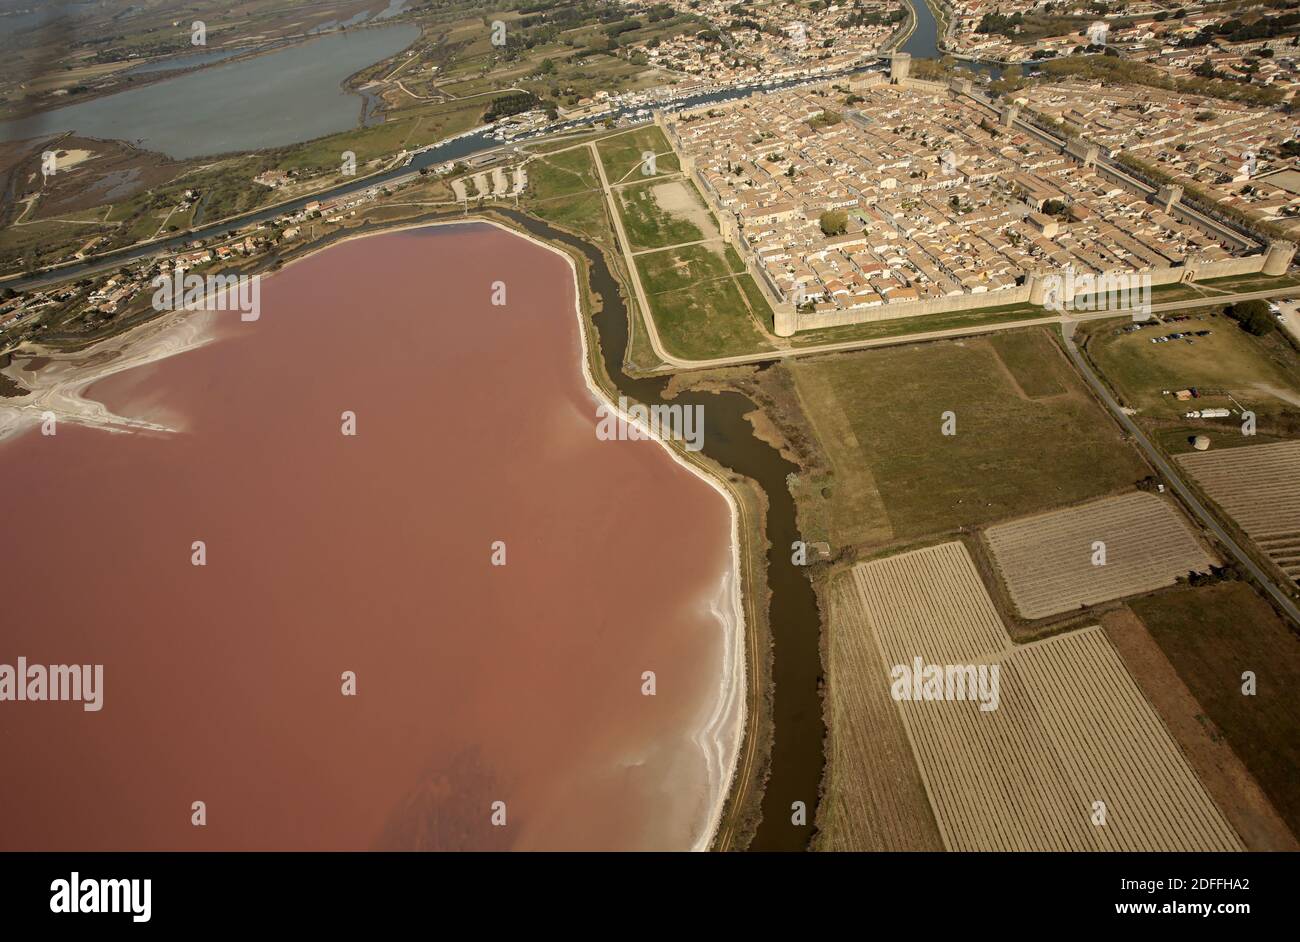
point(1083, 152)
point(1037, 289)
point(1279, 257)
point(784, 319)
point(900, 66)
point(1009, 115)
point(1051, 290)
point(1167, 196)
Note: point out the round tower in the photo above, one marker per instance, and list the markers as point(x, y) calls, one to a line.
point(784, 319)
point(1279, 257)
point(1037, 290)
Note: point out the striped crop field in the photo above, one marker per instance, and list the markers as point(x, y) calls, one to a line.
point(1258, 486)
point(1072, 757)
point(874, 798)
point(1050, 561)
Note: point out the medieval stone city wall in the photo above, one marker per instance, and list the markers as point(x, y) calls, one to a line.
point(788, 321)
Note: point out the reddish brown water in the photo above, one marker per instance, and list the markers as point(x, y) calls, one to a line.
point(326, 554)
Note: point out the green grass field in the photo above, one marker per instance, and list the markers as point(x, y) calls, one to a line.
point(563, 174)
point(694, 266)
point(1029, 357)
point(699, 305)
point(1229, 368)
point(903, 326)
point(563, 142)
point(896, 476)
point(583, 213)
point(622, 154)
point(1212, 635)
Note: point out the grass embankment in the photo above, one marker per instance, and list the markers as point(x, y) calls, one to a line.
point(906, 326)
point(701, 303)
point(1218, 287)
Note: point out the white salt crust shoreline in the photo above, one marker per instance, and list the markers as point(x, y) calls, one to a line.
point(59, 387)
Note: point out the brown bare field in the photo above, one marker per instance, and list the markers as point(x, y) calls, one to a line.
point(1225, 777)
point(1213, 635)
point(1259, 487)
point(874, 799)
point(1046, 561)
point(1071, 728)
point(679, 199)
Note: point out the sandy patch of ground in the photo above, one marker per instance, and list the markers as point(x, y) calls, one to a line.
point(676, 199)
point(67, 159)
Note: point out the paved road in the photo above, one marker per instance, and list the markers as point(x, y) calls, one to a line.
point(1171, 475)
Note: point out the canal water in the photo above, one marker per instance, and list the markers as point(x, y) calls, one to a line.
point(924, 41)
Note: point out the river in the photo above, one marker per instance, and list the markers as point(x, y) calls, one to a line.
point(923, 43)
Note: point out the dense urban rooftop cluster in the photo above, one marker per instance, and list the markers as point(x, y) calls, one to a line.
point(777, 39)
point(1240, 156)
point(941, 198)
point(1187, 40)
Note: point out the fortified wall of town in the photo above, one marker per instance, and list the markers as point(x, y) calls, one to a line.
point(1275, 259)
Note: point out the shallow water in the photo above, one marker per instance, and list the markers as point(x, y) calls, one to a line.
point(371, 553)
point(284, 97)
